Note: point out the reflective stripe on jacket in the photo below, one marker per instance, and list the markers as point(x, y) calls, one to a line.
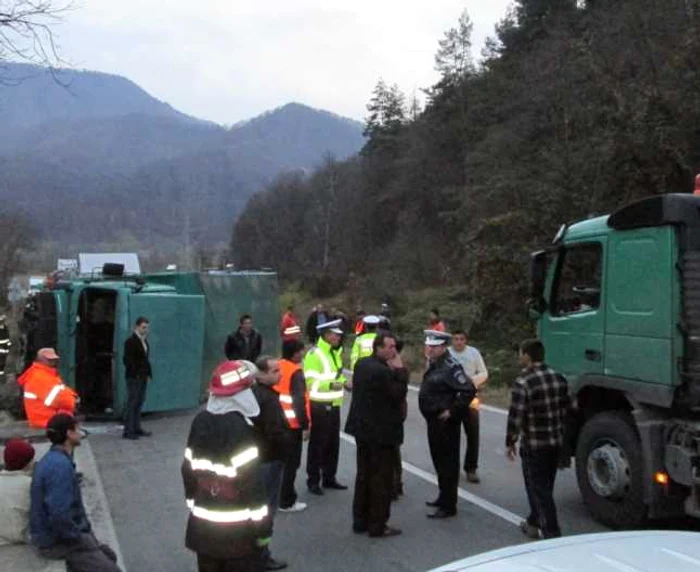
point(45, 394)
point(323, 366)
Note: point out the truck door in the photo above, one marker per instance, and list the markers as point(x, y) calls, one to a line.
point(572, 329)
point(176, 341)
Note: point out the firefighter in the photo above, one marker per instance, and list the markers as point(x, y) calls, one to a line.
point(323, 370)
point(445, 388)
point(45, 394)
point(362, 347)
point(224, 482)
point(5, 344)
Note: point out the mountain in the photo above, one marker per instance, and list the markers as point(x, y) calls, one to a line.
point(92, 156)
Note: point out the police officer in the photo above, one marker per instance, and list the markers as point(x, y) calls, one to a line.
point(444, 390)
point(362, 347)
point(4, 344)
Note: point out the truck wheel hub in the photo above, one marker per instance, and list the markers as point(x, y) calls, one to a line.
point(608, 471)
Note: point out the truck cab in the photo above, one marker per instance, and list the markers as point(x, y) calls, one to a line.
point(617, 300)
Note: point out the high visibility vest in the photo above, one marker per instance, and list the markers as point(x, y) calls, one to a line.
point(45, 394)
point(284, 388)
point(323, 366)
point(289, 328)
point(362, 348)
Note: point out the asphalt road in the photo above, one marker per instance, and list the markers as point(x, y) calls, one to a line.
point(143, 487)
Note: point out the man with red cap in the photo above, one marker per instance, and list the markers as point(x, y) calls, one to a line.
point(15, 482)
point(45, 394)
point(224, 482)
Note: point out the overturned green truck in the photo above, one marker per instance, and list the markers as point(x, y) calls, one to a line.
point(617, 299)
point(88, 319)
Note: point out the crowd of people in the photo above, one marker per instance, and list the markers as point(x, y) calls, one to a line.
point(244, 448)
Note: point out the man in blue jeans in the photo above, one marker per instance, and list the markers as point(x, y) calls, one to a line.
point(275, 439)
point(58, 524)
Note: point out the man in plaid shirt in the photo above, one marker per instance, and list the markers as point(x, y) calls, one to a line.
point(540, 406)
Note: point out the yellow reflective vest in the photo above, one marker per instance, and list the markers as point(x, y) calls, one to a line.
point(322, 366)
point(362, 348)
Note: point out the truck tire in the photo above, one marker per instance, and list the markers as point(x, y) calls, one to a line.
point(610, 470)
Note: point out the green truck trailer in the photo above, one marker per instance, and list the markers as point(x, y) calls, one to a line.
point(617, 299)
point(88, 320)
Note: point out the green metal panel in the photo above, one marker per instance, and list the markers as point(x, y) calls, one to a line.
point(573, 340)
point(176, 342)
point(640, 310)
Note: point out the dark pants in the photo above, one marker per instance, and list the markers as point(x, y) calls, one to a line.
point(288, 494)
point(273, 478)
point(443, 439)
point(539, 472)
point(85, 555)
point(324, 444)
point(470, 420)
point(134, 403)
point(251, 563)
point(398, 472)
point(373, 487)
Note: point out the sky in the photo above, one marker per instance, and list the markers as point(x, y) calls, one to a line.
point(229, 60)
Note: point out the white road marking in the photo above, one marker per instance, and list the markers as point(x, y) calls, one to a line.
point(489, 408)
point(467, 496)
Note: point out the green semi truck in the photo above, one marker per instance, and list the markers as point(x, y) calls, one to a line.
point(88, 319)
point(617, 299)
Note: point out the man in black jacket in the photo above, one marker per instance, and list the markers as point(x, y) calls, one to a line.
point(245, 343)
point(445, 389)
point(380, 382)
point(275, 441)
point(138, 374)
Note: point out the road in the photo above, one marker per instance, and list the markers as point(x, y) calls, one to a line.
point(143, 487)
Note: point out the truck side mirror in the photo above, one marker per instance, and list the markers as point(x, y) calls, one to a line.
point(538, 278)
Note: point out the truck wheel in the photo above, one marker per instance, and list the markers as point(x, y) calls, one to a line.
point(610, 471)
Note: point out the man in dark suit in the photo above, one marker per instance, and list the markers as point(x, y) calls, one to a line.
point(138, 374)
point(245, 343)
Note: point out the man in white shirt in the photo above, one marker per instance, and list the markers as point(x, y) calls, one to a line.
point(474, 366)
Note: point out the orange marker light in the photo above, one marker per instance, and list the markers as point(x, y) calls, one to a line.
point(661, 478)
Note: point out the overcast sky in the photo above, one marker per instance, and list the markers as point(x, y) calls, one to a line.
point(228, 60)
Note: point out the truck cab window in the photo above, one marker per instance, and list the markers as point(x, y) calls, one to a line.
point(577, 288)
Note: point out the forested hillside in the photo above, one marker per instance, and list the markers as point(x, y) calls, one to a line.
point(575, 109)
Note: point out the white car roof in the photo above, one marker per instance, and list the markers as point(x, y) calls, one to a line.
point(647, 551)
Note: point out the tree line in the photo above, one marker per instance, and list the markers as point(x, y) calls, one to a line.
point(575, 109)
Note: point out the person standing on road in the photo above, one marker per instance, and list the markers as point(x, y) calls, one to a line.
point(44, 393)
point(475, 368)
point(317, 317)
point(445, 388)
point(289, 326)
point(245, 343)
point(5, 344)
point(223, 478)
point(138, 374)
point(363, 344)
point(380, 384)
point(323, 370)
point(294, 399)
point(58, 524)
point(275, 440)
point(540, 405)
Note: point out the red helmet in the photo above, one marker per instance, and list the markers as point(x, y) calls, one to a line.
point(230, 377)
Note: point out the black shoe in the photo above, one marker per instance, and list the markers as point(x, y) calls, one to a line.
point(142, 433)
point(315, 490)
point(335, 485)
point(131, 436)
point(359, 528)
point(272, 564)
point(433, 503)
point(442, 513)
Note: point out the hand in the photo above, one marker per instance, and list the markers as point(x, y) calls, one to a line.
point(348, 385)
point(396, 362)
point(336, 385)
point(305, 434)
point(445, 415)
point(511, 454)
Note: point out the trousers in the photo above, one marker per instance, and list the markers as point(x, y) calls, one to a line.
point(443, 440)
point(371, 506)
point(288, 494)
point(84, 555)
point(134, 403)
point(324, 444)
point(539, 473)
point(470, 421)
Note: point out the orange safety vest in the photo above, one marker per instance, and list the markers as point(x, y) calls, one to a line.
point(284, 388)
point(45, 395)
